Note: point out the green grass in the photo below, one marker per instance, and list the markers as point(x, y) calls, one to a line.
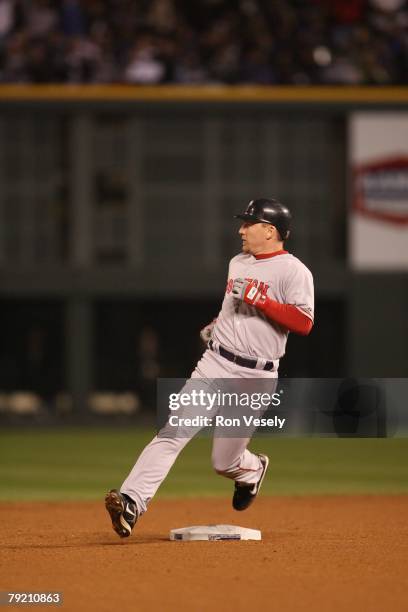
point(66, 464)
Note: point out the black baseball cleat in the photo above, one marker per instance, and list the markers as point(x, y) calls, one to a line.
point(244, 494)
point(122, 511)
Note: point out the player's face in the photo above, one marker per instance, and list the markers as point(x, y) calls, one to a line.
point(257, 238)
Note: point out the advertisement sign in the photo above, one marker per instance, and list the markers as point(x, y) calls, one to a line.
point(378, 223)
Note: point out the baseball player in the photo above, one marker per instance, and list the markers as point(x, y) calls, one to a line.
point(268, 294)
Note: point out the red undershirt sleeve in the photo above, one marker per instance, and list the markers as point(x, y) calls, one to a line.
point(286, 315)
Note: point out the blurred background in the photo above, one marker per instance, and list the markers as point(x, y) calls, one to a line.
point(132, 131)
point(224, 41)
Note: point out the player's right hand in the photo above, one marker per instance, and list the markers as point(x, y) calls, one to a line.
point(206, 332)
point(246, 291)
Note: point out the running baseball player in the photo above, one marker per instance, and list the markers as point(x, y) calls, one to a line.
point(269, 293)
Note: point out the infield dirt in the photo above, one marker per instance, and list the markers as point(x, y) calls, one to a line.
point(318, 553)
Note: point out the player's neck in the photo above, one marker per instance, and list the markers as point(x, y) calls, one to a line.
point(269, 255)
point(270, 251)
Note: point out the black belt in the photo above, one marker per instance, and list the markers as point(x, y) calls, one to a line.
point(241, 361)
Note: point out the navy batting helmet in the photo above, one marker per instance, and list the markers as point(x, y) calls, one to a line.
point(268, 210)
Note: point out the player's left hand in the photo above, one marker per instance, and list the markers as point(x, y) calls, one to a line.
point(206, 332)
point(245, 291)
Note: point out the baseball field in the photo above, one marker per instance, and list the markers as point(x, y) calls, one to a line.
point(332, 514)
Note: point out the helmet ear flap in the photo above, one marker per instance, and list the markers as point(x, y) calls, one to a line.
point(282, 234)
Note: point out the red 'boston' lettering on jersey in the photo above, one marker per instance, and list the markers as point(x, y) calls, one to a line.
point(248, 331)
point(263, 287)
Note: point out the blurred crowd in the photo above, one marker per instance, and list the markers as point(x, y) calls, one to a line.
point(204, 41)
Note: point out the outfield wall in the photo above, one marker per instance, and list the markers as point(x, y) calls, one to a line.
point(123, 196)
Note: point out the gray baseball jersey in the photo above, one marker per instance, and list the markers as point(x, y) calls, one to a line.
point(245, 330)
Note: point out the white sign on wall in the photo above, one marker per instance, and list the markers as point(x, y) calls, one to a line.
point(378, 221)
